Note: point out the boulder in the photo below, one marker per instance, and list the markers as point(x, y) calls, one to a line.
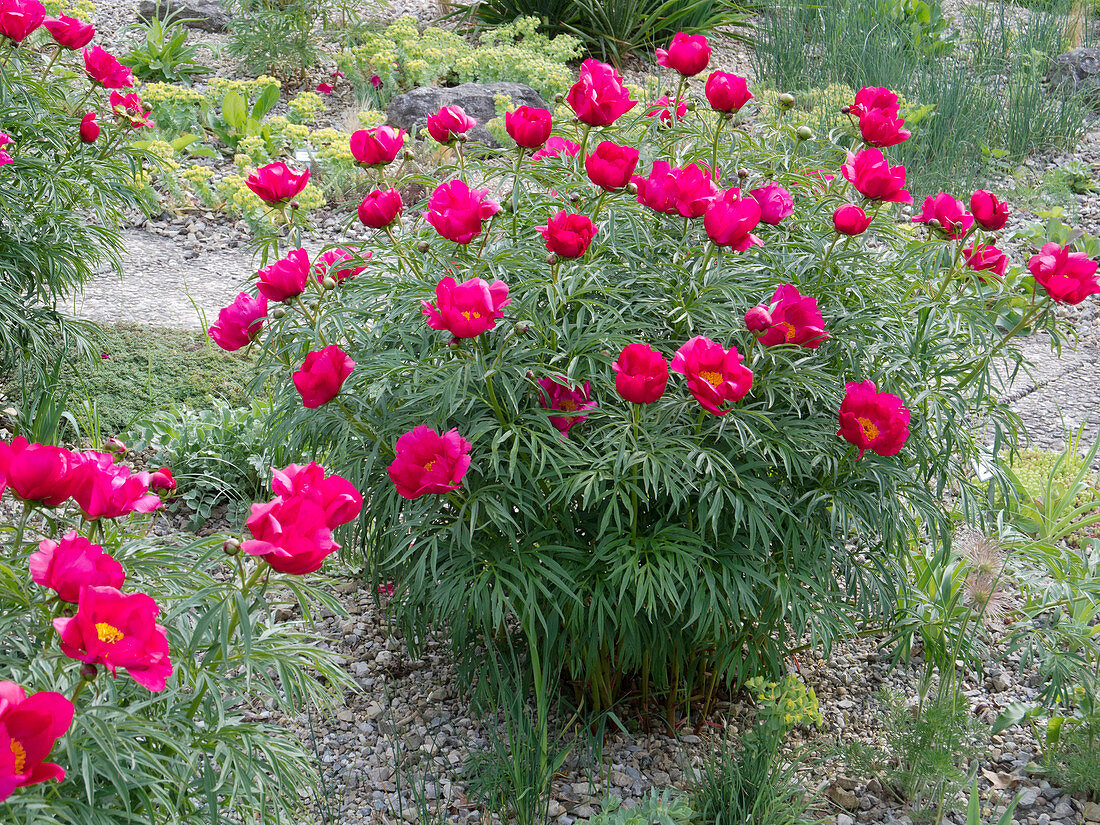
point(208, 15)
point(1080, 70)
point(410, 111)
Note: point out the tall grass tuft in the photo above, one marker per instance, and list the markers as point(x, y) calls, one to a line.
point(979, 80)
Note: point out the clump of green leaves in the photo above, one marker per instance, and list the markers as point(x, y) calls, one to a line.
point(277, 37)
point(163, 53)
point(658, 807)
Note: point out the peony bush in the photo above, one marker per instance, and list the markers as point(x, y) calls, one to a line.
point(666, 406)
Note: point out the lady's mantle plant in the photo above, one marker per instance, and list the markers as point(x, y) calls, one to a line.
point(667, 406)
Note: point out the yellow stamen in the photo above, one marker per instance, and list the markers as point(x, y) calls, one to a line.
point(109, 633)
point(870, 429)
point(20, 754)
point(568, 404)
point(712, 377)
point(788, 331)
point(470, 314)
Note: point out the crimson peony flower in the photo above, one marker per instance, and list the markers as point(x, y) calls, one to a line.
point(457, 211)
point(448, 123)
point(946, 214)
point(986, 258)
point(162, 479)
point(658, 189)
point(375, 81)
point(556, 146)
point(727, 92)
point(870, 98)
point(611, 165)
point(568, 235)
point(1068, 277)
point(557, 397)
point(69, 32)
point(792, 318)
point(286, 278)
point(874, 178)
point(116, 630)
point(326, 264)
point(529, 126)
point(468, 309)
point(851, 220)
point(381, 208)
point(89, 129)
point(104, 489)
point(775, 202)
point(19, 18)
point(67, 565)
point(427, 462)
point(336, 496)
point(879, 127)
point(989, 212)
point(321, 375)
point(378, 146)
point(4, 156)
point(873, 420)
point(240, 323)
point(641, 374)
point(660, 107)
point(29, 728)
point(324, 88)
point(730, 220)
point(693, 190)
point(290, 534)
point(714, 376)
point(277, 183)
point(687, 54)
point(40, 473)
point(599, 97)
point(105, 70)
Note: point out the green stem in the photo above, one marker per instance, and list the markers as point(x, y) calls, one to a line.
point(1028, 317)
point(515, 191)
point(49, 65)
point(461, 160)
point(828, 252)
point(22, 527)
point(584, 146)
point(599, 204)
point(79, 689)
point(714, 145)
point(400, 252)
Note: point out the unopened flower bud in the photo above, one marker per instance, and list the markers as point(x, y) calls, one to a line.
point(329, 284)
point(845, 109)
point(462, 138)
point(423, 246)
point(522, 329)
point(408, 154)
point(742, 173)
point(114, 445)
point(278, 312)
point(605, 353)
point(804, 133)
point(559, 97)
point(295, 205)
point(530, 374)
point(690, 105)
point(758, 320)
point(551, 259)
point(231, 547)
point(632, 188)
point(786, 100)
point(575, 197)
point(88, 671)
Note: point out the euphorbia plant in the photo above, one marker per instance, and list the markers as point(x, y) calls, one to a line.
point(528, 462)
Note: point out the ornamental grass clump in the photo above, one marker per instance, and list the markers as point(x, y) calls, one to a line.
point(664, 406)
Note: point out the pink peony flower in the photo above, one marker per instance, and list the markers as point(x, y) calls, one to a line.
point(529, 127)
point(687, 54)
point(39, 473)
point(468, 309)
point(611, 165)
point(946, 214)
point(378, 146)
point(29, 728)
point(874, 178)
point(429, 463)
point(104, 489)
point(986, 258)
point(599, 97)
point(660, 107)
point(558, 397)
point(775, 202)
point(989, 212)
point(873, 420)
point(321, 375)
point(457, 211)
point(448, 123)
point(641, 374)
point(727, 92)
point(286, 278)
point(240, 323)
point(792, 318)
point(851, 220)
point(68, 565)
point(89, 129)
point(715, 376)
point(277, 183)
point(20, 18)
point(381, 208)
point(105, 70)
point(327, 264)
point(1068, 277)
point(290, 534)
point(70, 33)
point(555, 147)
point(568, 235)
point(730, 220)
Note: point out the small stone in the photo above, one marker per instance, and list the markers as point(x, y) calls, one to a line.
point(844, 819)
point(1028, 798)
point(842, 797)
point(1092, 812)
point(1000, 681)
point(621, 779)
point(375, 711)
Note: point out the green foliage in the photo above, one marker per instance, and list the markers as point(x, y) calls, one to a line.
point(220, 456)
point(983, 101)
point(199, 748)
point(236, 118)
point(974, 808)
point(277, 37)
point(1078, 762)
point(163, 54)
point(1076, 176)
point(61, 202)
point(615, 31)
point(748, 782)
point(785, 704)
point(137, 371)
point(403, 57)
point(658, 807)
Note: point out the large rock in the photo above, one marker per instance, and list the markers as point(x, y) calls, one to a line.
point(1080, 70)
point(410, 111)
point(208, 15)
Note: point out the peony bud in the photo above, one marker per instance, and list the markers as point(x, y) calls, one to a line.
point(742, 173)
point(329, 283)
point(295, 205)
point(551, 259)
point(423, 246)
point(88, 671)
point(278, 312)
point(632, 188)
point(786, 100)
point(804, 133)
point(231, 547)
point(408, 154)
point(758, 320)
